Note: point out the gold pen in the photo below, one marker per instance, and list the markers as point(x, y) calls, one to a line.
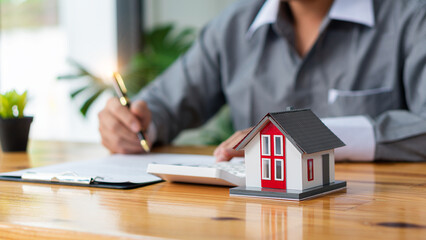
point(121, 91)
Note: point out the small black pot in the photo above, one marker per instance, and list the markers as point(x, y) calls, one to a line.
point(14, 133)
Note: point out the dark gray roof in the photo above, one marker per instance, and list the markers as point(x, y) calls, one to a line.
point(306, 130)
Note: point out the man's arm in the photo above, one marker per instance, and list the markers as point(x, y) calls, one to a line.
point(401, 134)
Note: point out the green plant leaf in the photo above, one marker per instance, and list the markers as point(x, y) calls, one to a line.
point(70, 76)
point(82, 72)
point(183, 40)
point(78, 91)
point(157, 38)
point(5, 109)
point(88, 103)
point(94, 83)
point(161, 49)
point(21, 103)
point(12, 104)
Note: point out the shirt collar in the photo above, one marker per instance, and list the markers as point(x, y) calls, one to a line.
point(356, 11)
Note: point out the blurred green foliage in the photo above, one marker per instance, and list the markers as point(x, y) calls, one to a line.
point(12, 104)
point(215, 131)
point(162, 46)
point(93, 86)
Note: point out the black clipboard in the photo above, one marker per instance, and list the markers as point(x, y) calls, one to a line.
point(124, 185)
point(115, 171)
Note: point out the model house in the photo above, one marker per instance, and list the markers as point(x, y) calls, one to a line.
point(291, 151)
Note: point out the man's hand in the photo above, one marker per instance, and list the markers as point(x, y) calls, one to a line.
point(118, 126)
point(225, 151)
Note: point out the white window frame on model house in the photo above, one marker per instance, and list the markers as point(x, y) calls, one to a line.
point(266, 168)
point(268, 141)
point(280, 147)
point(282, 169)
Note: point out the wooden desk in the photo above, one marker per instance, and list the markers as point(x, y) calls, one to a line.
point(383, 201)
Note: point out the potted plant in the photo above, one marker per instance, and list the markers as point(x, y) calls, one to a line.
point(14, 126)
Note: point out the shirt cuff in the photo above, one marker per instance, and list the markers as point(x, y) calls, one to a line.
point(357, 133)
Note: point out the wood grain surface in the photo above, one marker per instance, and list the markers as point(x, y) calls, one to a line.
point(382, 201)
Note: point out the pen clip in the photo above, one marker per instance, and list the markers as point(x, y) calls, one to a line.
point(120, 89)
point(120, 83)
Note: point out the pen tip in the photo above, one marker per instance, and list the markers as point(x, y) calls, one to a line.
point(145, 146)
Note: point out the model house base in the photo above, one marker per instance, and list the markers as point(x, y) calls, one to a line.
point(288, 193)
point(289, 155)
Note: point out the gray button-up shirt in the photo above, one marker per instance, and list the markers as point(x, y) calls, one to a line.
point(354, 68)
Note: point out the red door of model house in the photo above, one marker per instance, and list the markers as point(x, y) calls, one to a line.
point(272, 157)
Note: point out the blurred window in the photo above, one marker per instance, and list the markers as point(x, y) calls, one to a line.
point(38, 36)
point(36, 39)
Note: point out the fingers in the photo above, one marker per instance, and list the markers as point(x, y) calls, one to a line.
point(123, 115)
point(112, 125)
point(142, 112)
point(225, 151)
point(117, 126)
point(115, 136)
point(116, 145)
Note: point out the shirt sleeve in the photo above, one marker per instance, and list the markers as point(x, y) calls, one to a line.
point(189, 92)
point(401, 134)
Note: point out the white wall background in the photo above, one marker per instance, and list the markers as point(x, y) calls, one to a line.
point(90, 28)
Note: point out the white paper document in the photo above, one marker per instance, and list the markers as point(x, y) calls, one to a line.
point(118, 168)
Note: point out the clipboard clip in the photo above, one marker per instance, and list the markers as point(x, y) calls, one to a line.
point(65, 177)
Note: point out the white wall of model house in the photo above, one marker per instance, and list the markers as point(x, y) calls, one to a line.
point(252, 159)
point(293, 166)
point(318, 171)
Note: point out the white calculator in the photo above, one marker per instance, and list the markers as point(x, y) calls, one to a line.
point(223, 173)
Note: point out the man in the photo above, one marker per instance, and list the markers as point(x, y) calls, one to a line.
point(365, 59)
